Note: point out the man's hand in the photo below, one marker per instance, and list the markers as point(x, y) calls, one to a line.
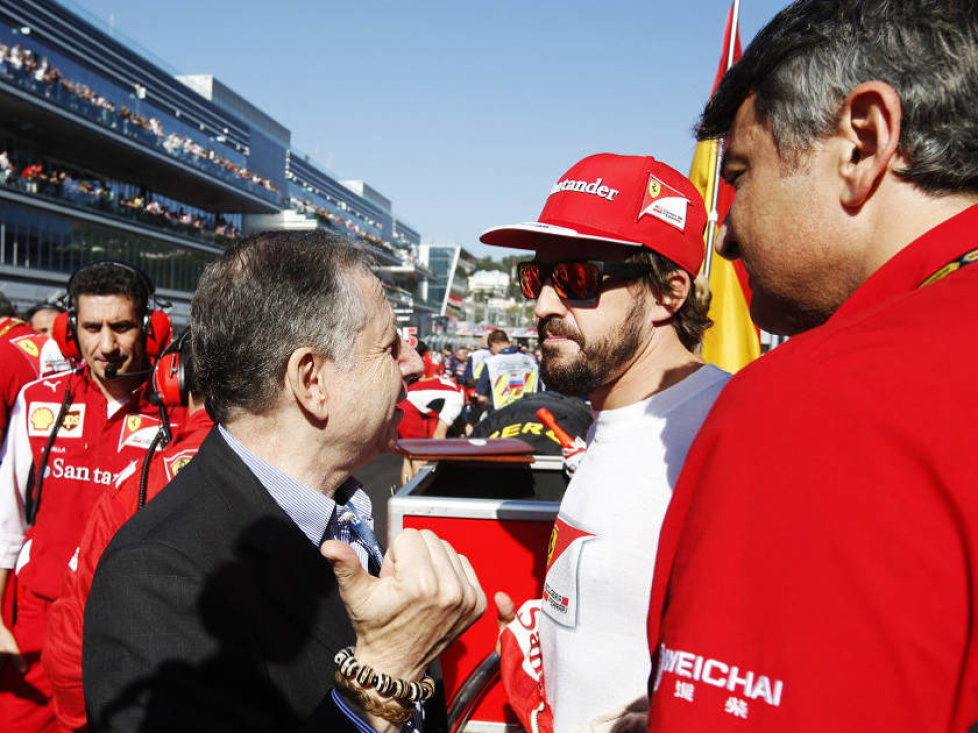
point(505, 613)
point(425, 597)
point(521, 663)
point(9, 651)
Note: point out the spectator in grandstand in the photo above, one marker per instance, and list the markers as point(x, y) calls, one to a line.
point(95, 192)
point(616, 248)
point(508, 374)
point(70, 436)
point(41, 316)
point(41, 77)
point(6, 168)
point(31, 174)
point(220, 606)
point(817, 565)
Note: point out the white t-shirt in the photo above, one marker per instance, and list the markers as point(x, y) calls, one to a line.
point(599, 573)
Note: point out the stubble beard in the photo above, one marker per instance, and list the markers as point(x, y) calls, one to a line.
point(597, 362)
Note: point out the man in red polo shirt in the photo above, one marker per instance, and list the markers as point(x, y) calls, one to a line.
point(70, 436)
point(818, 566)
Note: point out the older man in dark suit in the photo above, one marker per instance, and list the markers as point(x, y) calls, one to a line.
point(221, 605)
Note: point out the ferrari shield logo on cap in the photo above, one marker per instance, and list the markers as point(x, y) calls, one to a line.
point(664, 203)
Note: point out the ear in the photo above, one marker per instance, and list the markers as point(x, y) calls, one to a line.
point(306, 379)
point(869, 126)
point(680, 285)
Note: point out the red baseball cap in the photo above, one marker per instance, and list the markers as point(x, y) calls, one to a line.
point(625, 200)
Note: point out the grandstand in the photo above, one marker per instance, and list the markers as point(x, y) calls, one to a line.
point(105, 152)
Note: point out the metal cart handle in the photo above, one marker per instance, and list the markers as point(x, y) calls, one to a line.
point(476, 685)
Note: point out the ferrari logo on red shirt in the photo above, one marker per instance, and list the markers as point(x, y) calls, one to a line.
point(176, 463)
point(27, 345)
point(138, 431)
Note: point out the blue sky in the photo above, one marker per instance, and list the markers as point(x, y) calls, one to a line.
point(462, 113)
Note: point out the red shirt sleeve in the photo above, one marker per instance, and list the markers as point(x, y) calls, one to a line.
point(15, 372)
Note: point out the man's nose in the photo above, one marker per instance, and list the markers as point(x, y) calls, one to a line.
point(410, 362)
point(548, 303)
point(106, 341)
point(726, 244)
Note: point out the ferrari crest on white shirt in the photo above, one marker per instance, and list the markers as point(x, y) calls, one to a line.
point(561, 586)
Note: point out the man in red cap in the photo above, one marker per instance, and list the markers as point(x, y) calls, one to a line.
point(616, 250)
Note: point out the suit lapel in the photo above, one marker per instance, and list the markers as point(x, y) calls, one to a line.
point(291, 573)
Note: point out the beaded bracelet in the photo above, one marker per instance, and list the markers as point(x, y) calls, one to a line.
point(392, 710)
point(385, 684)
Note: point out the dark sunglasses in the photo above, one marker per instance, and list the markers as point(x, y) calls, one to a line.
point(574, 279)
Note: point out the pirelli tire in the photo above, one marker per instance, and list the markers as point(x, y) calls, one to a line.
point(519, 420)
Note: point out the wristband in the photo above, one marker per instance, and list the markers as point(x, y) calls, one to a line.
point(363, 676)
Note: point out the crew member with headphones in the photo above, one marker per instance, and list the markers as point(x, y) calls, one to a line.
point(70, 436)
point(61, 657)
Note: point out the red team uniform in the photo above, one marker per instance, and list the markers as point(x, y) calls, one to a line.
point(93, 450)
point(62, 654)
point(25, 355)
point(818, 565)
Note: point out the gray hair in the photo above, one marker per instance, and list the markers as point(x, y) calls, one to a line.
point(267, 296)
point(813, 53)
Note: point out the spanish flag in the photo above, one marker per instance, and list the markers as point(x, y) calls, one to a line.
point(733, 341)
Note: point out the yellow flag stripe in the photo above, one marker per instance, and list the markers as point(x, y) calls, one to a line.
point(732, 342)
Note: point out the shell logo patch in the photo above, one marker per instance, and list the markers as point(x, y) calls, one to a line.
point(177, 462)
point(41, 415)
point(664, 203)
point(138, 431)
point(41, 419)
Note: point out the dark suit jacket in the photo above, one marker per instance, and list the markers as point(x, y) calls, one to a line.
point(211, 611)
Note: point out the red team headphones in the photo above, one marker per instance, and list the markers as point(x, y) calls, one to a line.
point(156, 326)
point(173, 373)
